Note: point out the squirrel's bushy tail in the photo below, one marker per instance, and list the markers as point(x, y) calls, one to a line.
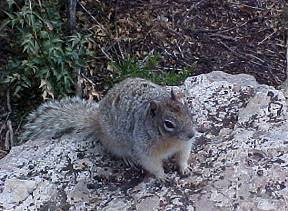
point(56, 118)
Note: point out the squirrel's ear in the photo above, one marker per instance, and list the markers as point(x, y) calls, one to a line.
point(176, 97)
point(173, 96)
point(153, 107)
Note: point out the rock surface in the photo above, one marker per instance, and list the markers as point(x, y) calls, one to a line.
point(240, 161)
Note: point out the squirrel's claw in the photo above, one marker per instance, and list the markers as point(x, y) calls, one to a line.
point(186, 170)
point(163, 179)
point(129, 162)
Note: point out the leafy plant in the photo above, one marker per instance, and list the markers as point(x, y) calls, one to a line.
point(130, 67)
point(48, 57)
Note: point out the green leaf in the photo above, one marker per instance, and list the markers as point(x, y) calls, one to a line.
point(10, 3)
point(17, 89)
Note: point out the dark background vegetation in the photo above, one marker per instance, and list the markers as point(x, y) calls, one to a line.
point(164, 41)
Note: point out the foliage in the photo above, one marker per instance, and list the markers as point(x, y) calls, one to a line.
point(130, 67)
point(48, 57)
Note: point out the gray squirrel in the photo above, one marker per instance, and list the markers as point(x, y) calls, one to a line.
point(137, 120)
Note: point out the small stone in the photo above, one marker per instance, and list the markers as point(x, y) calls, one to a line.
point(264, 204)
point(260, 172)
point(79, 193)
point(16, 190)
point(149, 203)
point(190, 208)
point(117, 204)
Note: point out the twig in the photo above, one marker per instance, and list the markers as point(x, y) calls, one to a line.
point(172, 32)
point(199, 30)
point(11, 133)
point(255, 57)
point(4, 152)
point(87, 79)
point(284, 85)
point(20, 123)
point(71, 25)
point(232, 51)
point(180, 50)
point(71, 16)
point(2, 128)
point(105, 54)
point(246, 5)
point(94, 19)
point(120, 49)
point(3, 115)
point(242, 56)
point(223, 36)
point(270, 35)
point(262, 65)
point(287, 58)
point(8, 101)
point(235, 27)
point(116, 52)
point(30, 5)
point(172, 68)
point(78, 83)
point(7, 141)
point(115, 15)
point(147, 56)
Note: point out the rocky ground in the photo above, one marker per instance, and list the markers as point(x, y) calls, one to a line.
point(239, 161)
point(231, 36)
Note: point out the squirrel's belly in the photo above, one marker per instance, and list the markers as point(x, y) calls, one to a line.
point(166, 148)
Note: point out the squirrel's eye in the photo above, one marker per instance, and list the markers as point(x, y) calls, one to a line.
point(169, 126)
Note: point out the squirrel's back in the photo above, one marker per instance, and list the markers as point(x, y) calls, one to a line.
point(132, 92)
point(125, 98)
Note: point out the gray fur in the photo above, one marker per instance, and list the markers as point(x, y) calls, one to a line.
point(129, 122)
point(56, 118)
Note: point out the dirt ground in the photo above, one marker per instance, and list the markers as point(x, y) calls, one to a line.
point(232, 36)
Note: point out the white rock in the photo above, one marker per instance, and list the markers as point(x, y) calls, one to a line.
point(16, 190)
point(265, 205)
point(240, 162)
point(149, 203)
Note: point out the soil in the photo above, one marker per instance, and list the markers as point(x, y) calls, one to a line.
point(232, 36)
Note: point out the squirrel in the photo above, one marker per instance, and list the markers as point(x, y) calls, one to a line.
point(137, 120)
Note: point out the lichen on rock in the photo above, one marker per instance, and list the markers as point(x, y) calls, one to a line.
point(240, 161)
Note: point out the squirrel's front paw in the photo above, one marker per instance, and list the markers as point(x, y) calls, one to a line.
point(163, 178)
point(129, 162)
point(185, 170)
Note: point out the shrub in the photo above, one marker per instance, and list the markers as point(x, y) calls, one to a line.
point(48, 57)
